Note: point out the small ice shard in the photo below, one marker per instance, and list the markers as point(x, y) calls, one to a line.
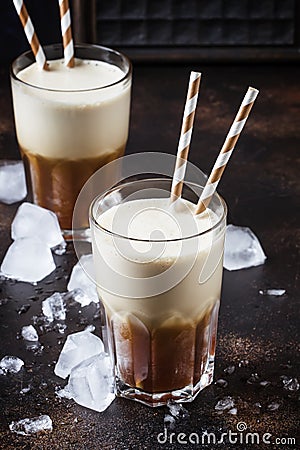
point(177, 410)
point(78, 296)
point(229, 370)
point(224, 404)
point(272, 292)
point(63, 393)
point(35, 347)
point(169, 421)
point(221, 383)
point(53, 307)
point(12, 182)
point(90, 328)
point(28, 260)
point(91, 382)
point(32, 425)
point(11, 364)
point(80, 279)
point(273, 406)
point(233, 411)
point(23, 308)
point(3, 301)
point(77, 348)
point(25, 390)
point(60, 327)
point(265, 383)
point(291, 384)
point(242, 249)
point(60, 249)
point(33, 220)
point(29, 333)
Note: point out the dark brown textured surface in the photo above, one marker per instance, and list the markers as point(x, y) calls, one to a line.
point(257, 334)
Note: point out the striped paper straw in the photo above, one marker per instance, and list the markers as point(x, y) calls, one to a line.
point(65, 21)
point(226, 150)
point(31, 34)
point(185, 135)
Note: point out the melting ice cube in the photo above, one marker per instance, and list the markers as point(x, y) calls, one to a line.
point(77, 348)
point(91, 382)
point(53, 307)
point(242, 249)
point(12, 182)
point(28, 259)
point(11, 364)
point(31, 425)
point(80, 280)
point(32, 220)
point(29, 333)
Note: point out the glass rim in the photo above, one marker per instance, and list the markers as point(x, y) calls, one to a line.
point(126, 75)
point(117, 235)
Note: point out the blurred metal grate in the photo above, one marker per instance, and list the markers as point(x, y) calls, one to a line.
point(174, 29)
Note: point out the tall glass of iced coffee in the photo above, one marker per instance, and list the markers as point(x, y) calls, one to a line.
point(159, 274)
point(69, 121)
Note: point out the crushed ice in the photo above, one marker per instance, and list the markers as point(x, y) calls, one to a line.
point(11, 364)
point(32, 425)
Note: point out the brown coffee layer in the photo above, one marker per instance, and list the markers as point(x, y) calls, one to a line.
point(54, 183)
point(166, 358)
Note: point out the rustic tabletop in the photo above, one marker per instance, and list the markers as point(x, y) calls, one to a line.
point(258, 335)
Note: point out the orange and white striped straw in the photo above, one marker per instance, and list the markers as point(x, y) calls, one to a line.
point(185, 135)
point(31, 34)
point(66, 30)
point(226, 150)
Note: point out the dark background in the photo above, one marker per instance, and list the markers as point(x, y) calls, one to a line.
point(258, 334)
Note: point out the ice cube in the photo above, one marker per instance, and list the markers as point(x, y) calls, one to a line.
point(11, 364)
point(80, 279)
point(28, 259)
point(29, 333)
point(77, 348)
point(224, 404)
point(12, 182)
point(32, 425)
point(273, 292)
point(32, 220)
point(233, 411)
point(53, 307)
point(91, 382)
point(242, 249)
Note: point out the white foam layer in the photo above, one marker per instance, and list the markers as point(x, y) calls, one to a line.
point(77, 121)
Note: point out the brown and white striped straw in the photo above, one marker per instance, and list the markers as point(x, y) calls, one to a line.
point(65, 21)
point(226, 150)
point(31, 34)
point(185, 135)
